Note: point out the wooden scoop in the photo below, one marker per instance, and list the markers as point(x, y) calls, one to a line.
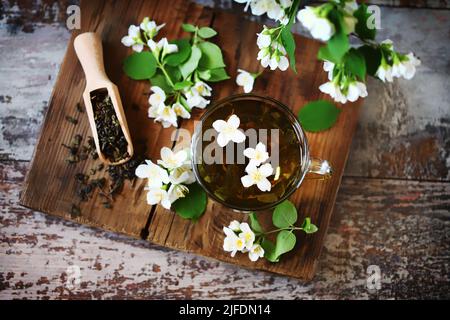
point(88, 47)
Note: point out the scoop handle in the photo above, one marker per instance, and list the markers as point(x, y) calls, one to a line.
point(89, 49)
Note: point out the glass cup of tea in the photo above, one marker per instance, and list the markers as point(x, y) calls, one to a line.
point(264, 121)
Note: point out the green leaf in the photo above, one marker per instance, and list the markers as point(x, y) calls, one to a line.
point(356, 63)
point(285, 242)
point(204, 74)
point(193, 205)
point(284, 215)
point(338, 45)
point(181, 85)
point(206, 32)
point(218, 74)
point(189, 27)
point(184, 51)
point(335, 49)
point(308, 227)
point(211, 56)
point(318, 115)
point(361, 29)
point(192, 63)
point(140, 65)
point(269, 250)
point(174, 73)
point(289, 44)
point(254, 223)
point(372, 57)
point(160, 81)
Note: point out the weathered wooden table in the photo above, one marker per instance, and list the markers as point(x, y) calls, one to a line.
point(392, 209)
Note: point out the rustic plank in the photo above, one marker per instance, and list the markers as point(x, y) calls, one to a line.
point(36, 52)
point(315, 198)
point(401, 226)
point(50, 185)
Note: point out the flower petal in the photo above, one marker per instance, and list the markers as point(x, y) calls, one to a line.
point(234, 121)
point(142, 171)
point(219, 125)
point(250, 153)
point(247, 181)
point(238, 136)
point(127, 41)
point(264, 185)
point(222, 139)
point(266, 170)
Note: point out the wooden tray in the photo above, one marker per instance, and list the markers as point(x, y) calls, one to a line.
point(50, 183)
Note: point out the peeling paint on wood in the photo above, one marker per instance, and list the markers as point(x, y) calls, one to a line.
point(401, 226)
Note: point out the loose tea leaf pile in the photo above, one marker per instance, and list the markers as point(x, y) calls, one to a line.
point(113, 143)
point(86, 183)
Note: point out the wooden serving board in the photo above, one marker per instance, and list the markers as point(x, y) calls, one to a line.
point(50, 183)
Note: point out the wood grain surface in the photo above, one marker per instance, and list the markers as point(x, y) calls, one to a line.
point(398, 221)
point(50, 186)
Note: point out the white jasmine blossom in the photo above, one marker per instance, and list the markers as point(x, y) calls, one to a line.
point(384, 72)
point(286, 4)
point(232, 243)
point(255, 252)
point(158, 97)
point(172, 160)
point(307, 17)
point(258, 176)
point(323, 29)
point(202, 89)
point(406, 66)
point(247, 235)
point(257, 155)
point(167, 116)
point(235, 226)
point(350, 92)
point(153, 111)
point(133, 39)
point(272, 53)
point(280, 62)
point(355, 90)
point(150, 27)
point(319, 27)
point(264, 56)
point(181, 111)
point(156, 175)
point(228, 131)
point(328, 66)
point(182, 174)
point(263, 40)
point(239, 237)
point(177, 191)
point(246, 80)
point(271, 7)
point(158, 195)
point(194, 100)
point(163, 45)
point(334, 91)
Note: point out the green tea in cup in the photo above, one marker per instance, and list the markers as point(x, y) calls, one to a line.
point(267, 124)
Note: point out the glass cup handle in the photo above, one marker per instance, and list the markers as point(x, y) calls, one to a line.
point(319, 169)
